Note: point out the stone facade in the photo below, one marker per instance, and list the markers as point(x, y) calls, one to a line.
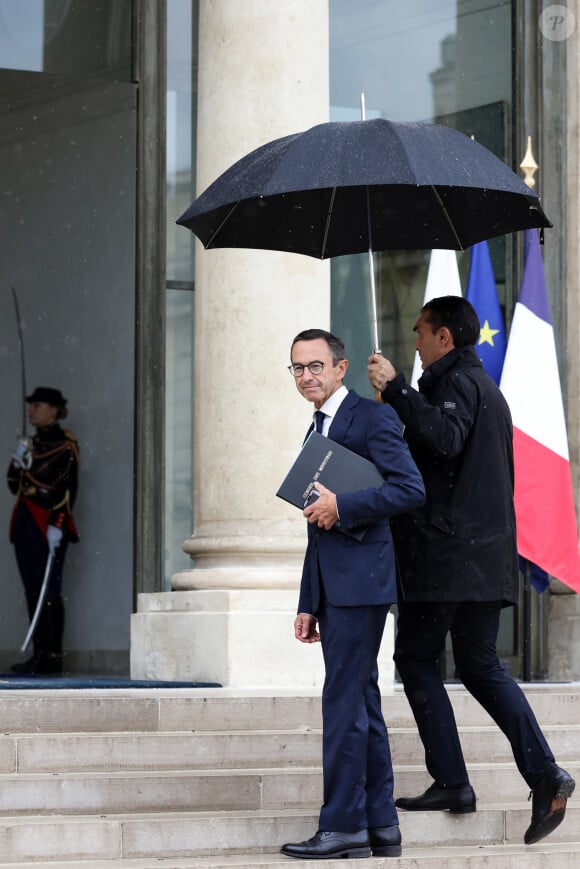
point(229, 618)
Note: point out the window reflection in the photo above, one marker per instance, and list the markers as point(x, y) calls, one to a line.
point(62, 37)
point(179, 333)
point(181, 122)
point(446, 61)
point(22, 35)
point(182, 17)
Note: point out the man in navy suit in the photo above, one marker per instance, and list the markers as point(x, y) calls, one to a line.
point(347, 588)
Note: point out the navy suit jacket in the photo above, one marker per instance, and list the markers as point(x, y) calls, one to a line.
point(363, 573)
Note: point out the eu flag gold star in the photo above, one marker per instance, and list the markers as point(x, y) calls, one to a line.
point(486, 334)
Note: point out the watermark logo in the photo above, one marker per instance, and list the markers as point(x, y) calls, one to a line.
point(557, 23)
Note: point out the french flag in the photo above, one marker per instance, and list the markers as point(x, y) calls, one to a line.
point(545, 514)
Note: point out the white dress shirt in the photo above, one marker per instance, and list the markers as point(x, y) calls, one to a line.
point(330, 408)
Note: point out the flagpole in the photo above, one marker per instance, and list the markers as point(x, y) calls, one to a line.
point(527, 619)
point(529, 168)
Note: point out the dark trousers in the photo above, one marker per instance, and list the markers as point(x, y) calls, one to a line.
point(422, 629)
point(31, 550)
point(357, 771)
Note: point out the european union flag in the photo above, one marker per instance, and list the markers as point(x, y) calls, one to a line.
point(538, 577)
point(482, 293)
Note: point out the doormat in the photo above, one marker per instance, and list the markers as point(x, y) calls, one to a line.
point(11, 683)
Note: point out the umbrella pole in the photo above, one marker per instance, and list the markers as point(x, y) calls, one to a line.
point(374, 321)
point(377, 346)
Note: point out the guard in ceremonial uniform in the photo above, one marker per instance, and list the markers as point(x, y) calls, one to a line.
point(43, 474)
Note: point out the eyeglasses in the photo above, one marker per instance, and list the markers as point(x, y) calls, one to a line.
point(298, 370)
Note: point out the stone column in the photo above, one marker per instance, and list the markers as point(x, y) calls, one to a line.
point(263, 73)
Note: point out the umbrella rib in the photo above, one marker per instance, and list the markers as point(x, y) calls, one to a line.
point(328, 219)
point(446, 213)
point(222, 224)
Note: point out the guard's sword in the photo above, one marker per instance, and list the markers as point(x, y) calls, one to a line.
point(40, 602)
point(23, 369)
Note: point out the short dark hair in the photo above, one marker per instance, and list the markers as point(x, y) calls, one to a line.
point(456, 314)
point(335, 345)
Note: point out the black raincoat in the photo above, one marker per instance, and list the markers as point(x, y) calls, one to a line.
point(461, 545)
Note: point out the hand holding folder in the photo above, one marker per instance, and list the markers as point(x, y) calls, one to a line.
point(322, 460)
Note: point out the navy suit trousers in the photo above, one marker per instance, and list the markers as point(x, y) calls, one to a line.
point(474, 625)
point(358, 776)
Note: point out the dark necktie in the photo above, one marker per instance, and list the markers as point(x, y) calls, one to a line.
point(319, 417)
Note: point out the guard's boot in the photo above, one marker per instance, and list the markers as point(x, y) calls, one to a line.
point(27, 668)
point(47, 657)
point(50, 639)
point(41, 663)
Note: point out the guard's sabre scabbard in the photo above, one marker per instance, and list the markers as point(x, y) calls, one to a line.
point(40, 603)
point(22, 366)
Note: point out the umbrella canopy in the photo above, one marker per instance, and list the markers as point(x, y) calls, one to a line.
point(346, 187)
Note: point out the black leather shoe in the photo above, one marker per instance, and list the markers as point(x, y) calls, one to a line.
point(459, 800)
point(549, 804)
point(40, 663)
point(385, 841)
point(324, 844)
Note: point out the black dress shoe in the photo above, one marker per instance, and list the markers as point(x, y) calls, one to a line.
point(41, 663)
point(458, 800)
point(549, 804)
point(324, 844)
point(385, 841)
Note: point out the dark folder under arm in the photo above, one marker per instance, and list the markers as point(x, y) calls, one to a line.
point(322, 460)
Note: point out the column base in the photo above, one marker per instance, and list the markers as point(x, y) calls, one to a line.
point(240, 638)
point(563, 636)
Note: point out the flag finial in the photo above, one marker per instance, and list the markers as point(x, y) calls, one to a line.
point(529, 165)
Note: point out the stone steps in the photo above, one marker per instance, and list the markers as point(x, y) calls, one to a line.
point(250, 835)
point(211, 779)
point(216, 709)
point(72, 752)
point(221, 790)
point(556, 855)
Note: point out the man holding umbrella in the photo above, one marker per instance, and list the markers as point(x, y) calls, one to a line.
point(347, 588)
point(458, 560)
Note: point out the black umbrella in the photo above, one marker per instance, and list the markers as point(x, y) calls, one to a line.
point(348, 187)
point(429, 186)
